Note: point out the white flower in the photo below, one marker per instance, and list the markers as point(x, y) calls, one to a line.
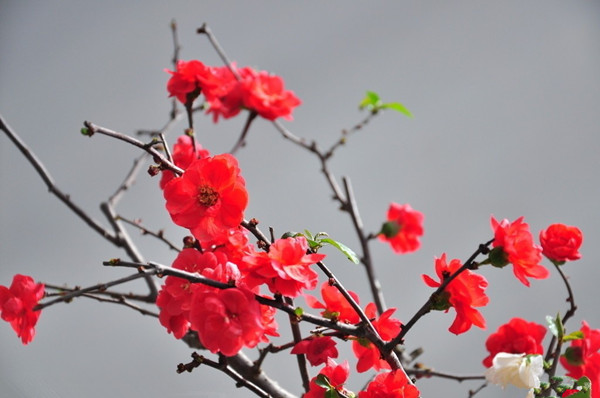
point(520, 370)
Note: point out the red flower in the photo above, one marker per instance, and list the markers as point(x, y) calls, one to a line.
point(561, 242)
point(209, 198)
point(583, 359)
point(465, 291)
point(265, 94)
point(226, 99)
point(517, 248)
point(337, 376)
point(318, 349)
point(285, 269)
point(174, 298)
point(336, 306)
point(226, 320)
point(16, 305)
point(189, 79)
point(403, 229)
point(390, 385)
point(515, 337)
point(183, 155)
point(367, 353)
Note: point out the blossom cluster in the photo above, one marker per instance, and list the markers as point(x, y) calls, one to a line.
point(229, 89)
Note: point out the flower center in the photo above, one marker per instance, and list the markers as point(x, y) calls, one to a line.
point(207, 196)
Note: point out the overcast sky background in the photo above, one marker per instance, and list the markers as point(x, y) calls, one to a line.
point(505, 97)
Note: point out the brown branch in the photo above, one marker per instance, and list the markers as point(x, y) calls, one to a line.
point(297, 334)
point(158, 235)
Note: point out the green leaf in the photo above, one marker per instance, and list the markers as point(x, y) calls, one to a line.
point(578, 335)
point(298, 311)
point(349, 253)
point(323, 381)
point(555, 325)
point(331, 393)
point(371, 101)
point(398, 107)
point(586, 387)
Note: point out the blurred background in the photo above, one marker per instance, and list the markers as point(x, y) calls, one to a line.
point(505, 97)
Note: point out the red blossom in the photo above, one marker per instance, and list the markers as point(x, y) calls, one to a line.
point(337, 375)
point(317, 349)
point(390, 385)
point(465, 291)
point(336, 306)
point(366, 352)
point(561, 242)
point(226, 99)
point(17, 303)
point(265, 94)
point(183, 155)
point(403, 228)
point(516, 243)
point(209, 198)
point(189, 79)
point(582, 358)
point(226, 320)
point(515, 337)
point(174, 298)
point(285, 269)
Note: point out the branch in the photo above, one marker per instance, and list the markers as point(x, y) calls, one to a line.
point(483, 248)
point(158, 235)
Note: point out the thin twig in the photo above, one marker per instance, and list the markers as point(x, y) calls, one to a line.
point(205, 30)
point(241, 141)
point(158, 235)
point(297, 338)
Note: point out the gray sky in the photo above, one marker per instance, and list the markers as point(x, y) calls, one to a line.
point(505, 97)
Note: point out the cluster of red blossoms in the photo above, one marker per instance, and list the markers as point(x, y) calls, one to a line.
point(229, 89)
point(513, 244)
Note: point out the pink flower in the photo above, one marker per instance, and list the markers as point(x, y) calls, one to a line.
point(317, 349)
point(561, 242)
point(516, 246)
point(285, 269)
point(403, 228)
point(265, 94)
point(336, 306)
point(367, 353)
point(226, 320)
point(337, 376)
point(17, 303)
point(465, 292)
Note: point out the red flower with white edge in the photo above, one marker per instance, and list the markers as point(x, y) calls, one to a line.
point(183, 155)
point(318, 349)
point(515, 337)
point(582, 358)
point(403, 228)
point(465, 292)
point(367, 353)
point(17, 303)
point(516, 246)
point(337, 376)
point(209, 198)
point(561, 242)
point(390, 384)
point(285, 269)
point(174, 298)
point(336, 306)
point(265, 94)
point(189, 79)
point(226, 320)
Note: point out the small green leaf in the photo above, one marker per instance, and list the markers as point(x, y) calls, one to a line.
point(370, 101)
point(298, 311)
point(578, 335)
point(331, 393)
point(85, 131)
point(555, 325)
point(586, 387)
point(323, 381)
point(308, 235)
point(398, 107)
point(349, 253)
